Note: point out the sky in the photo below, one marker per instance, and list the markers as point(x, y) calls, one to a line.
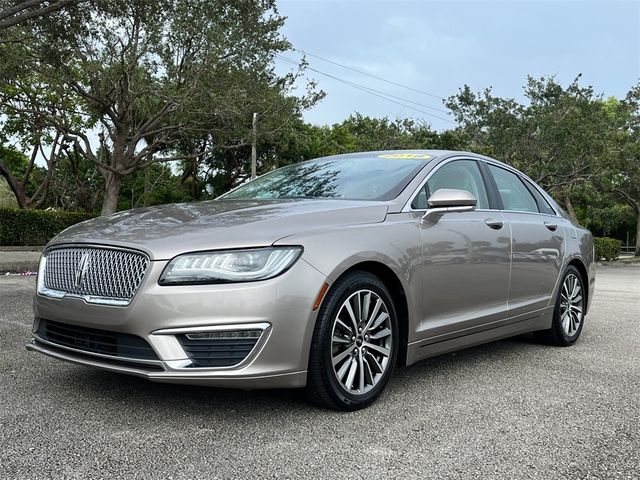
point(436, 47)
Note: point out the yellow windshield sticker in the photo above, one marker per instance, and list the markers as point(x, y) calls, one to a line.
point(405, 155)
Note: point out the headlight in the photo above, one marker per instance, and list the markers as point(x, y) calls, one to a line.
point(229, 266)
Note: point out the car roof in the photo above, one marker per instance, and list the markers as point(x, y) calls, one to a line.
point(427, 155)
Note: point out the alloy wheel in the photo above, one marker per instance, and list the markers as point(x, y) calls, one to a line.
point(361, 341)
point(571, 304)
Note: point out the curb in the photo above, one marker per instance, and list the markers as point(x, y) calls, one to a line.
point(618, 264)
point(18, 267)
point(13, 248)
point(19, 259)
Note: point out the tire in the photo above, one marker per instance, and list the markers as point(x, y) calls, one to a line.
point(566, 327)
point(364, 359)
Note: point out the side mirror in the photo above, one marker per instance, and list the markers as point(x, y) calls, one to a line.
point(448, 200)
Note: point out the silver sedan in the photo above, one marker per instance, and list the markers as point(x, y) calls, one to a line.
point(324, 274)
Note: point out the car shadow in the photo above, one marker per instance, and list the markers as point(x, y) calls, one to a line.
point(139, 395)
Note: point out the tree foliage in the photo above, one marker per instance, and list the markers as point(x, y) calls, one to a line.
point(584, 149)
point(624, 176)
point(562, 137)
point(114, 104)
point(150, 76)
point(14, 12)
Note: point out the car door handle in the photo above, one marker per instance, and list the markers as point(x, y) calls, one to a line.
point(551, 226)
point(494, 224)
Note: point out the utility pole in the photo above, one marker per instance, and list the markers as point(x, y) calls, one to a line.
point(254, 136)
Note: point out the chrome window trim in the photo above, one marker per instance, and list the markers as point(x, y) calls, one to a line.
point(42, 291)
point(524, 178)
point(530, 213)
point(407, 206)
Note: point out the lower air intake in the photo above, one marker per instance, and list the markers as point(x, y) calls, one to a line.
point(219, 349)
point(92, 340)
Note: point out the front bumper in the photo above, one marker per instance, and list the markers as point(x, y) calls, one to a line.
point(281, 307)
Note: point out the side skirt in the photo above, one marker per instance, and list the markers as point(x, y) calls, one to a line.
point(431, 347)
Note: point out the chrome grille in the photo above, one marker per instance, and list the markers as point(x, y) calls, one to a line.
point(98, 273)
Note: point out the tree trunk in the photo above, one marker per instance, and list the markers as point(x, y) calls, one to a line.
point(569, 207)
point(195, 191)
point(111, 193)
point(637, 252)
point(147, 187)
point(634, 203)
point(16, 187)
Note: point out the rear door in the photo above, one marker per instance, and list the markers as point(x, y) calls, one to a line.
point(537, 241)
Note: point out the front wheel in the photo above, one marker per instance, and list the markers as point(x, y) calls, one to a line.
point(355, 344)
point(568, 315)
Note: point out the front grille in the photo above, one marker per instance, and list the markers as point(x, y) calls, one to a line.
point(95, 272)
point(95, 341)
point(217, 352)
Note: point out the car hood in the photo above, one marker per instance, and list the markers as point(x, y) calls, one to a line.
point(168, 230)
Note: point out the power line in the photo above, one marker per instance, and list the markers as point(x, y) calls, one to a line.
point(371, 75)
point(395, 96)
point(376, 93)
point(391, 95)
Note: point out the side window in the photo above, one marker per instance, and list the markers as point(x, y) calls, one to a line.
point(458, 175)
point(515, 195)
point(543, 205)
point(420, 200)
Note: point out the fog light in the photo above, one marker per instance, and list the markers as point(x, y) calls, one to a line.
point(228, 335)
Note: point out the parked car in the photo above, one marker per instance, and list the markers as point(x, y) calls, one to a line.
point(325, 275)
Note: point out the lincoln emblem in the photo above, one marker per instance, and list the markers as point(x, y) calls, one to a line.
point(83, 266)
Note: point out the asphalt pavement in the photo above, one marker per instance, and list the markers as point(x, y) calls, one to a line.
point(511, 409)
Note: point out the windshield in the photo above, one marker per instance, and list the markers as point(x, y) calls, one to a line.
point(351, 178)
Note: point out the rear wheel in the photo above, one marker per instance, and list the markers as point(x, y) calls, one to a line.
point(568, 315)
point(355, 344)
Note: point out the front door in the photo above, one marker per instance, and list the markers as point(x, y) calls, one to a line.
point(465, 259)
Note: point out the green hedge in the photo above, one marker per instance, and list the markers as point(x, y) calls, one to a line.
point(35, 227)
point(607, 248)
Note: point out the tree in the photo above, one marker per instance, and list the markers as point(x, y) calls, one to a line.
point(27, 197)
point(362, 133)
point(7, 198)
point(562, 138)
point(219, 157)
point(301, 141)
point(28, 181)
point(145, 75)
point(156, 184)
point(16, 12)
point(625, 176)
point(610, 218)
point(76, 185)
point(25, 129)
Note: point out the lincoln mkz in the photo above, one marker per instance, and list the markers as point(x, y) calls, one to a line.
point(324, 274)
